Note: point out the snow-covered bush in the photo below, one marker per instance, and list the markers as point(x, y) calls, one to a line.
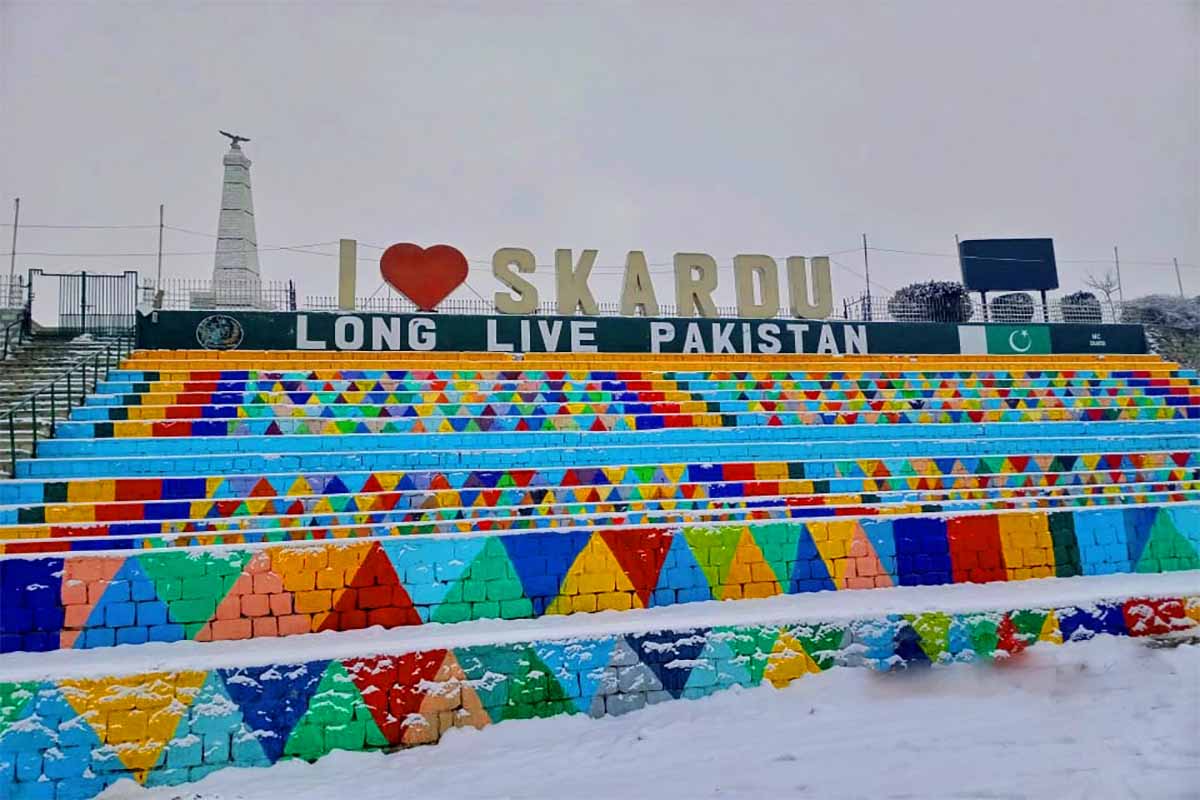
point(931, 301)
point(1172, 325)
point(1012, 307)
point(1081, 307)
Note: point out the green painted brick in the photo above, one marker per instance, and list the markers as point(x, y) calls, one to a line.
point(306, 741)
point(520, 608)
point(474, 591)
point(201, 586)
point(349, 736)
point(190, 610)
point(503, 590)
point(451, 612)
point(489, 609)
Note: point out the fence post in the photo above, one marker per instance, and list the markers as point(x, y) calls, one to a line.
point(53, 410)
point(34, 426)
point(12, 444)
point(70, 390)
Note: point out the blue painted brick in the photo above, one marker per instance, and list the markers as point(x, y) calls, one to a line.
point(151, 613)
point(29, 765)
point(132, 635)
point(119, 615)
point(98, 637)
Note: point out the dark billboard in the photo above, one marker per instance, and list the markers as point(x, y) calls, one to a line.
point(1008, 265)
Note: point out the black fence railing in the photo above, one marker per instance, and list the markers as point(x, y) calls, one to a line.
point(63, 392)
point(181, 294)
point(901, 308)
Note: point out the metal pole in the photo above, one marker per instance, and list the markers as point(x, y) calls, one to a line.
point(867, 275)
point(12, 257)
point(12, 445)
point(53, 411)
point(1178, 277)
point(1120, 289)
point(158, 278)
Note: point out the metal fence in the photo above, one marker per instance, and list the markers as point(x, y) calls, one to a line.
point(901, 308)
point(176, 294)
point(12, 291)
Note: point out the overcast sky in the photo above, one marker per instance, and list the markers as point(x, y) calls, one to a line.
point(784, 128)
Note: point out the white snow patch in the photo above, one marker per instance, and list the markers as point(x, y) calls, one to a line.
point(1108, 718)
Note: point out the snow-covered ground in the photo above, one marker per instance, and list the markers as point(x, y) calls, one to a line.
point(1109, 718)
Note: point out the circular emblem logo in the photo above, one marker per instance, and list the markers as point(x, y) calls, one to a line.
point(219, 332)
point(1022, 336)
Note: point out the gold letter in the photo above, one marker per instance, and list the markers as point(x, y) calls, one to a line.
point(571, 283)
point(745, 268)
point(636, 289)
point(822, 302)
point(526, 299)
point(693, 293)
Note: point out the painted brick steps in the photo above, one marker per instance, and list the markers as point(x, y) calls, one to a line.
point(265, 590)
point(266, 455)
point(73, 723)
point(960, 469)
point(249, 528)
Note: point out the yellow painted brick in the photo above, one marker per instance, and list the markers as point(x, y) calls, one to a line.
point(595, 582)
point(581, 603)
point(615, 601)
point(126, 726)
point(313, 602)
point(761, 571)
point(299, 581)
point(331, 578)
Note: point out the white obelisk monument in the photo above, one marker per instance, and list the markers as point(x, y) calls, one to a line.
point(236, 280)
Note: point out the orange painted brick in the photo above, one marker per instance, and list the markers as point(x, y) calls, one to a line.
point(761, 589)
point(760, 572)
point(294, 624)
point(846, 567)
point(860, 583)
point(265, 626)
point(74, 593)
point(95, 590)
point(92, 569)
point(228, 610)
point(76, 616)
point(255, 605)
point(259, 564)
point(267, 583)
point(281, 605)
point(866, 566)
point(228, 629)
point(858, 548)
point(243, 585)
point(882, 581)
point(314, 601)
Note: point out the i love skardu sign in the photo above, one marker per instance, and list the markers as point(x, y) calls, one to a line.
point(427, 276)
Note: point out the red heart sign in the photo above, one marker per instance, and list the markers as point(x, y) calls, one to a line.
point(425, 276)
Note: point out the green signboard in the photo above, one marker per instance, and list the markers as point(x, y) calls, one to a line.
point(317, 331)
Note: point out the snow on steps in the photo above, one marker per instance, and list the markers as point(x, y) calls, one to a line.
point(169, 714)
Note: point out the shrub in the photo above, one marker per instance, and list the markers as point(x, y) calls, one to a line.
point(1081, 307)
point(1012, 307)
point(1172, 325)
point(932, 301)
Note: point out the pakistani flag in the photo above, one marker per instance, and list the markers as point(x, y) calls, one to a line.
point(1003, 339)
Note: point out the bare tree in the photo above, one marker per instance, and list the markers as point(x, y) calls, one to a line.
point(1106, 284)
